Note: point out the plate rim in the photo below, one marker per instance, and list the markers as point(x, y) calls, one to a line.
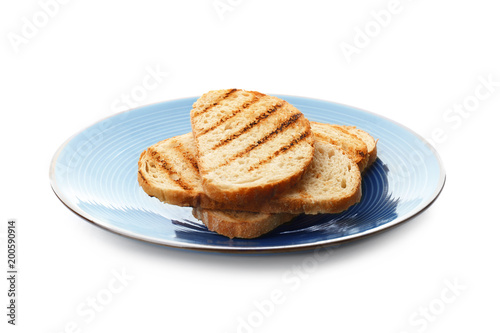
point(251, 249)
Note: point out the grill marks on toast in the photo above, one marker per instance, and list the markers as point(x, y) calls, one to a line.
point(175, 175)
point(283, 149)
point(370, 142)
point(244, 106)
point(259, 120)
point(250, 125)
point(142, 176)
point(287, 123)
point(216, 102)
point(168, 168)
point(188, 156)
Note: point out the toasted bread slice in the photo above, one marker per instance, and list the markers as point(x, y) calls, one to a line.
point(338, 135)
point(250, 146)
point(240, 224)
point(332, 183)
point(371, 144)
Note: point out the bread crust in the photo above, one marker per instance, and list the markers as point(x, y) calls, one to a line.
point(231, 227)
point(371, 145)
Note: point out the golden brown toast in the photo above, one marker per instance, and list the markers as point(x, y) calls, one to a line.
point(250, 146)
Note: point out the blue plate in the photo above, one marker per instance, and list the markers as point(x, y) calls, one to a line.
point(94, 174)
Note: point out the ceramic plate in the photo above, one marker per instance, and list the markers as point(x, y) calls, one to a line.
point(94, 174)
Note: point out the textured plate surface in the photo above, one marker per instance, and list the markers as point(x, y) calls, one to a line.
point(94, 174)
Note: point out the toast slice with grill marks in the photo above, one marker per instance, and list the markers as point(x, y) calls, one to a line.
point(168, 171)
point(240, 224)
point(250, 146)
point(332, 183)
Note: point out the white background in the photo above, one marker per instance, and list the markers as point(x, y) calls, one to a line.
point(73, 69)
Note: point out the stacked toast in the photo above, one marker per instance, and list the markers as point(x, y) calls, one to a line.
point(253, 162)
